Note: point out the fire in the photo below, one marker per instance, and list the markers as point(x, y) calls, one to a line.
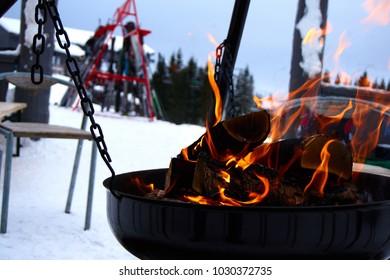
point(378, 12)
point(144, 188)
point(358, 119)
point(218, 101)
point(324, 123)
point(343, 44)
point(225, 176)
point(253, 197)
point(212, 40)
point(223, 199)
point(199, 199)
point(320, 176)
point(316, 33)
point(368, 119)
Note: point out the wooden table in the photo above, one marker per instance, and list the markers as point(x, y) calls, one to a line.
point(8, 108)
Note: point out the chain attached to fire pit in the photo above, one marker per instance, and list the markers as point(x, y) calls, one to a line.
point(39, 43)
point(227, 75)
point(72, 66)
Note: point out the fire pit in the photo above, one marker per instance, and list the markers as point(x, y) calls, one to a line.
point(162, 229)
point(151, 226)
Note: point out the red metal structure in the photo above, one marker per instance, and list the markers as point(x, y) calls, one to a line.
point(128, 9)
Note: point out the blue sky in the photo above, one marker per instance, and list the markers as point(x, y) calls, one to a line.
point(267, 40)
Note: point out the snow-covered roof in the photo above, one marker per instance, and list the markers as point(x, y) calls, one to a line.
point(76, 37)
point(12, 25)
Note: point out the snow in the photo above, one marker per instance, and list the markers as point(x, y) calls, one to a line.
point(38, 227)
point(14, 52)
point(311, 62)
point(31, 26)
point(12, 25)
point(78, 37)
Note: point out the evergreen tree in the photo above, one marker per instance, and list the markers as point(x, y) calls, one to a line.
point(191, 90)
point(382, 84)
point(326, 77)
point(244, 92)
point(364, 81)
point(161, 82)
point(185, 92)
point(375, 84)
point(337, 81)
point(205, 96)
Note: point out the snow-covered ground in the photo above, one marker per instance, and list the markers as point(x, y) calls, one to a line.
point(38, 227)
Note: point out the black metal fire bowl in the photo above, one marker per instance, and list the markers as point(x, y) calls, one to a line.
point(159, 229)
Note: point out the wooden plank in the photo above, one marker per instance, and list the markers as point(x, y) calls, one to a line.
point(7, 108)
point(42, 130)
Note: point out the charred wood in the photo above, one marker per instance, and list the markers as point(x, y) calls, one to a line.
point(235, 137)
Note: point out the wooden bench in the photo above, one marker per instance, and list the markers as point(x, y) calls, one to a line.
point(11, 130)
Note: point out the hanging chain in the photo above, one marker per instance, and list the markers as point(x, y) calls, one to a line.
point(228, 73)
point(74, 71)
point(39, 43)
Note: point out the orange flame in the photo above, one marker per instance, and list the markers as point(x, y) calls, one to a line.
point(368, 118)
point(218, 101)
point(331, 119)
point(315, 33)
point(199, 199)
point(284, 118)
point(378, 12)
point(320, 176)
point(254, 197)
point(145, 188)
point(343, 44)
point(212, 40)
point(225, 176)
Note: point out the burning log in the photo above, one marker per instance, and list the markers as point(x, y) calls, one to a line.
point(230, 165)
point(235, 137)
point(179, 177)
point(229, 138)
point(301, 157)
point(259, 185)
point(210, 176)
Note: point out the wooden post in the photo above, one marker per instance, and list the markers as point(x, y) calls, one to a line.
point(37, 100)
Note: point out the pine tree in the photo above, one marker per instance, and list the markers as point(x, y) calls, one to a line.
point(185, 92)
point(161, 82)
point(192, 88)
point(244, 92)
point(326, 77)
point(382, 85)
point(337, 81)
point(364, 81)
point(375, 84)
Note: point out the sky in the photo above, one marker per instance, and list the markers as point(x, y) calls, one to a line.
point(266, 45)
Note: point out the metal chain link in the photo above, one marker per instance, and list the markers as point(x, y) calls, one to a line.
point(228, 73)
point(39, 43)
point(74, 71)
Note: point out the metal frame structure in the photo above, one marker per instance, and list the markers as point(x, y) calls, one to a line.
point(128, 9)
